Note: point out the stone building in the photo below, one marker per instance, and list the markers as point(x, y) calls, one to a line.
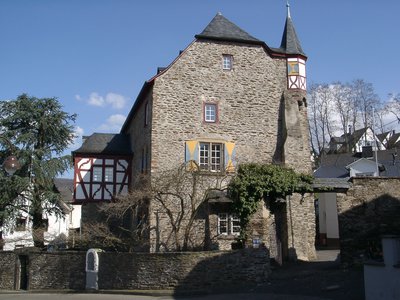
point(228, 98)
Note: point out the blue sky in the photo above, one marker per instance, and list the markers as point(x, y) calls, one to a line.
point(94, 55)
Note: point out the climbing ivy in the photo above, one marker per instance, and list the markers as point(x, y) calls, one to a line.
point(256, 182)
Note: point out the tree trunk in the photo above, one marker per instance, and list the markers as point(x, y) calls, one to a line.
point(38, 226)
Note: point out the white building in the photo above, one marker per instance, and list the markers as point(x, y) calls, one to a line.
point(57, 229)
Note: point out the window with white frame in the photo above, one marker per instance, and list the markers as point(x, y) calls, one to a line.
point(235, 224)
point(228, 224)
point(211, 157)
point(227, 62)
point(210, 112)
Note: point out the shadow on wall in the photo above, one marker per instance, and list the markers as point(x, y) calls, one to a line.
point(233, 270)
point(362, 226)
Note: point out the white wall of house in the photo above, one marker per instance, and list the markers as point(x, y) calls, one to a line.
point(382, 279)
point(57, 225)
point(369, 139)
point(363, 167)
point(328, 215)
point(75, 217)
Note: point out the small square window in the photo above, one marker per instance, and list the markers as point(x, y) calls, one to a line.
point(227, 62)
point(210, 113)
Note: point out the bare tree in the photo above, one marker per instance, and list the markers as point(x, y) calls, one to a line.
point(366, 100)
point(393, 105)
point(321, 121)
point(174, 197)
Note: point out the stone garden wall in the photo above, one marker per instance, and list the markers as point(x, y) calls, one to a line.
point(369, 209)
point(183, 271)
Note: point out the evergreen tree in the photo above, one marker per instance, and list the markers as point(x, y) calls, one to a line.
point(40, 131)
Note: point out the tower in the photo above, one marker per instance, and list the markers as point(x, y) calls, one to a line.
point(296, 59)
point(296, 152)
point(296, 147)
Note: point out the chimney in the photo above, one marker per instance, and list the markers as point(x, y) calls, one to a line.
point(349, 129)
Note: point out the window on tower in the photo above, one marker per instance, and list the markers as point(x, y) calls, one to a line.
point(293, 68)
point(210, 112)
point(227, 62)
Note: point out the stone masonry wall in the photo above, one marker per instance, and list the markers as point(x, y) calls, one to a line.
point(253, 107)
point(180, 271)
point(369, 209)
point(248, 99)
point(7, 270)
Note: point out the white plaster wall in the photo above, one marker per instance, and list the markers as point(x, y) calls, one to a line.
point(75, 217)
point(328, 215)
point(382, 281)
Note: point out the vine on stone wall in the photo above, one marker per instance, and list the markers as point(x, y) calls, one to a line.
point(264, 182)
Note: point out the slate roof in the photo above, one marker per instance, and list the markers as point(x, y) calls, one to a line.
point(334, 165)
point(66, 188)
point(290, 43)
point(220, 28)
point(352, 139)
point(106, 143)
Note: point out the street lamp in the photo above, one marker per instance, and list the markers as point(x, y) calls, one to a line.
point(11, 163)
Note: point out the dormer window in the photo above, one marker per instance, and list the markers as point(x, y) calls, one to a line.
point(227, 62)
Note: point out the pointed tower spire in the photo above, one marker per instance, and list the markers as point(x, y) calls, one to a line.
point(290, 43)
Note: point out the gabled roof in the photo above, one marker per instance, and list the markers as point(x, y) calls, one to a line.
point(352, 139)
point(290, 43)
point(362, 160)
point(394, 141)
point(105, 143)
point(220, 28)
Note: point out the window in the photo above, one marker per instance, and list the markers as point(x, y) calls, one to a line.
point(223, 223)
point(228, 224)
point(211, 157)
point(210, 113)
point(227, 62)
point(235, 224)
point(146, 114)
point(45, 224)
point(20, 224)
point(97, 173)
point(293, 68)
point(145, 160)
point(108, 174)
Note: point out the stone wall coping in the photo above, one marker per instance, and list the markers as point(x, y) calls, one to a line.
point(375, 263)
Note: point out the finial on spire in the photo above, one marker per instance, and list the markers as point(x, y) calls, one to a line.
point(288, 8)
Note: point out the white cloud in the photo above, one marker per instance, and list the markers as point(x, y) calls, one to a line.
point(113, 123)
point(95, 99)
point(117, 101)
point(77, 141)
